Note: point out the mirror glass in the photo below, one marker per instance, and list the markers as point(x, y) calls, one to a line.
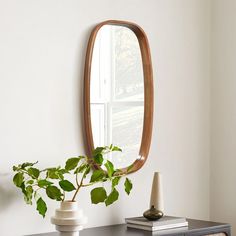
point(117, 93)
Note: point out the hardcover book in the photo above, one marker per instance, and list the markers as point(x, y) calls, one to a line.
point(166, 222)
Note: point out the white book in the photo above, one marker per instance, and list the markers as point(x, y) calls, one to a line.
point(165, 220)
point(155, 228)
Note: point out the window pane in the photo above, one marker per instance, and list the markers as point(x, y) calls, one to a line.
point(127, 123)
point(128, 69)
point(98, 124)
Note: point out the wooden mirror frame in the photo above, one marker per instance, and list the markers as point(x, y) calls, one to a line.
point(148, 91)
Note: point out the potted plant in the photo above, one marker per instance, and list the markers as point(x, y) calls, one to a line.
point(55, 182)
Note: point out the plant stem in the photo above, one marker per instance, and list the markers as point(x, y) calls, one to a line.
point(77, 182)
point(79, 185)
point(76, 192)
point(89, 184)
point(64, 195)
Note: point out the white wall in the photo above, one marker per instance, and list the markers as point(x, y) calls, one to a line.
point(42, 46)
point(223, 113)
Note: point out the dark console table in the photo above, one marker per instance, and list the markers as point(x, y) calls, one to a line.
point(195, 228)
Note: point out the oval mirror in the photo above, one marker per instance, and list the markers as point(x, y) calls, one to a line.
point(118, 92)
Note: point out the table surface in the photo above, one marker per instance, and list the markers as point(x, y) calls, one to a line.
point(123, 230)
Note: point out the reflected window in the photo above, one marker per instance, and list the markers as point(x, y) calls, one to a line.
point(117, 93)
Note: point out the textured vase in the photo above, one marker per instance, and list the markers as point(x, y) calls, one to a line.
point(156, 201)
point(69, 219)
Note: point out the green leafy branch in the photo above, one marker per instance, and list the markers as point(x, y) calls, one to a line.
point(54, 181)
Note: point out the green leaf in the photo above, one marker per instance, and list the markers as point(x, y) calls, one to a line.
point(110, 168)
point(113, 196)
point(53, 173)
point(98, 158)
point(36, 196)
point(119, 171)
point(72, 163)
point(60, 175)
point(128, 186)
point(23, 189)
point(115, 181)
point(43, 183)
point(18, 179)
point(54, 193)
point(63, 171)
point(88, 168)
point(66, 185)
point(41, 207)
point(30, 182)
point(130, 168)
point(98, 150)
point(27, 164)
point(80, 169)
point(97, 175)
point(33, 172)
point(98, 195)
point(115, 148)
point(28, 194)
point(76, 170)
point(15, 168)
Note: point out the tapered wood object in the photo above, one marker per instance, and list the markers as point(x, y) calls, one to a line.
point(156, 199)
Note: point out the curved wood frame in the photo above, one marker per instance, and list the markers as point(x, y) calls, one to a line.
point(148, 91)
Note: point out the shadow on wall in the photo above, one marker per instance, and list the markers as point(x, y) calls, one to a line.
point(7, 191)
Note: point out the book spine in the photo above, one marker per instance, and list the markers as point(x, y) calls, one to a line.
point(138, 223)
point(172, 226)
point(155, 224)
point(149, 228)
point(139, 227)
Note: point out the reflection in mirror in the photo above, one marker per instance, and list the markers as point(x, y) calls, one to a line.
point(117, 93)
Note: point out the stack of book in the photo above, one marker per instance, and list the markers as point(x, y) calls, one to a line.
point(166, 222)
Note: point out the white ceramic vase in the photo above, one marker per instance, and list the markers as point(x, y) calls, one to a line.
point(69, 219)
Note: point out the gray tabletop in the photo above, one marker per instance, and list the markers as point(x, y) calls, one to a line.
point(195, 227)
